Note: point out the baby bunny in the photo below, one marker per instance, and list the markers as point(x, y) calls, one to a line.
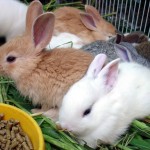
point(101, 47)
point(44, 76)
point(135, 38)
point(12, 18)
point(88, 26)
point(111, 51)
point(139, 40)
point(128, 53)
point(101, 106)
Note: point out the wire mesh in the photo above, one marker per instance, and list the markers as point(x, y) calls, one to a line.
point(126, 15)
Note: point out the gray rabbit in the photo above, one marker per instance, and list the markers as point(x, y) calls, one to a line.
point(129, 53)
point(111, 49)
point(102, 47)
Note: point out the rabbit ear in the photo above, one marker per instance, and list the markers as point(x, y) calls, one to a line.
point(88, 21)
point(119, 38)
point(42, 30)
point(109, 74)
point(96, 65)
point(93, 12)
point(34, 10)
point(123, 53)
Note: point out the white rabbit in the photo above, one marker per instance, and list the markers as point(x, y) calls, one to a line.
point(12, 18)
point(106, 100)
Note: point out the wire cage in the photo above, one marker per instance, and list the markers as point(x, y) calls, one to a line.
point(126, 15)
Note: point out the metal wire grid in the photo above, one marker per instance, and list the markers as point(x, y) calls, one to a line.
point(126, 15)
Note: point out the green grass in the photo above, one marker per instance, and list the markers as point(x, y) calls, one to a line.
point(52, 5)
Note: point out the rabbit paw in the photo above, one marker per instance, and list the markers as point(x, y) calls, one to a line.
point(37, 111)
point(52, 114)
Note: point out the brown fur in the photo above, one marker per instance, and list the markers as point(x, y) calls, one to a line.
point(44, 76)
point(135, 37)
point(144, 49)
point(68, 20)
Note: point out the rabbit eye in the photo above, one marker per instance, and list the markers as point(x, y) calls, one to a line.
point(87, 111)
point(11, 59)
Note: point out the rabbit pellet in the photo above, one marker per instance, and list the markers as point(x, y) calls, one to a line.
point(12, 136)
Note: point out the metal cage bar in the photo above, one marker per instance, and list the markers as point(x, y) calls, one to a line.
point(130, 15)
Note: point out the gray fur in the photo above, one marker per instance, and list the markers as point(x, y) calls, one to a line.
point(109, 49)
point(135, 56)
point(101, 47)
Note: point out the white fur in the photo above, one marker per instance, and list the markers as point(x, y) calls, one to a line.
point(12, 18)
point(111, 110)
point(65, 40)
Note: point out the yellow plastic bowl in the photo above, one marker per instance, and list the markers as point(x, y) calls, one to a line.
point(28, 124)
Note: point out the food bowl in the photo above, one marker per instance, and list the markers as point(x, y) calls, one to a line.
point(28, 124)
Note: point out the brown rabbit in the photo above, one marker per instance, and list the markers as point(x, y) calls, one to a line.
point(89, 26)
point(135, 37)
point(44, 76)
